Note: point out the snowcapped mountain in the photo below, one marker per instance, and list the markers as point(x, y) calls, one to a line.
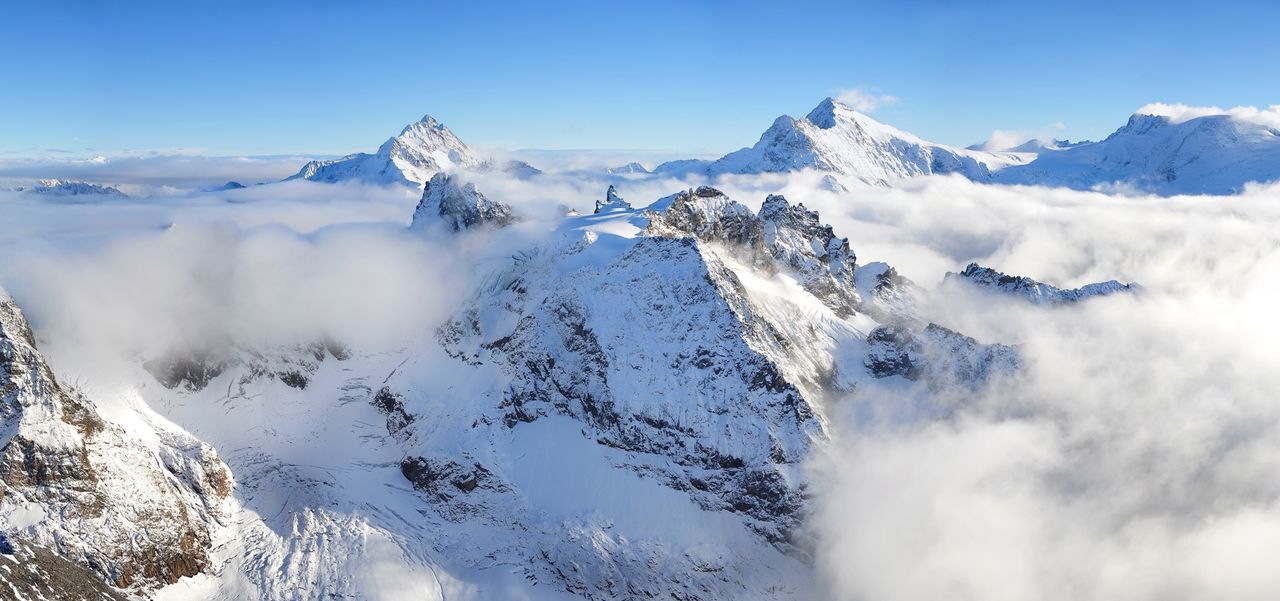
point(1030, 290)
point(836, 138)
point(632, 168)
point(58, 187)
point(137, 508)
point(620, 410)
point(1210, 154)
point(420, 150)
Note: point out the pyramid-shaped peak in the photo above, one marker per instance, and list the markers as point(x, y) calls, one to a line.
point(828, 112)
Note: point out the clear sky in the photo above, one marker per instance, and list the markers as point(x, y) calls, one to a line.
point(270, 77)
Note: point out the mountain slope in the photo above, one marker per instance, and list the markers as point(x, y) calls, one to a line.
point(836, 138)
point(135, 507)
point(1212, 154)
point(622, 408)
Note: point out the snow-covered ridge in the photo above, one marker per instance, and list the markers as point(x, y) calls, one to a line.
point(1205, 154)
point(1030, 290)
point(834, 137)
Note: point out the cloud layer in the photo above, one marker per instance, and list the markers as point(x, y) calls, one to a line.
point(1134, 459)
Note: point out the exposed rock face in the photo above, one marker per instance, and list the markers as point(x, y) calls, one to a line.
point(137, 514)
point(822, 262)
point(700, 355)
point(1032, 291)
point(29, 571)
point(940, 357)
point(633, 350)
point(458, 206)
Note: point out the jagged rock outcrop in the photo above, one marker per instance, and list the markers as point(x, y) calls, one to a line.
point(821, 261)
point(942, 358)
point(139, 515)
point(888, 296)
point(457, 206)
point(1030, 290)
point(612, 202)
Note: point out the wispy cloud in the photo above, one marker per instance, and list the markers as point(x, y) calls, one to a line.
point(1178, 112)
point(864, 99)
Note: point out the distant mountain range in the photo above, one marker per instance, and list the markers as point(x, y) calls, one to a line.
point(1213, 154)
point(1157, 154)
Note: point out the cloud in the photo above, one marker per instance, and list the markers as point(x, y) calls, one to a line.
point(148, 173)
point(862, 99)
point(1134, 459)
point(1130, 460)
point(1005, 139)
point(1178, 113)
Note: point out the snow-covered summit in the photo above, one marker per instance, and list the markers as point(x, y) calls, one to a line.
point(1207, 154)
point(834, 137)
point(458, 206)
point(421, 149)
point(1030, 290)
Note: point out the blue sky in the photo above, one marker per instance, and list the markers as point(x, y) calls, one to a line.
point(694, 77)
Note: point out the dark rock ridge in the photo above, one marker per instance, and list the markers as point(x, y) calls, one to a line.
point(1032, 291)
point(458, 206)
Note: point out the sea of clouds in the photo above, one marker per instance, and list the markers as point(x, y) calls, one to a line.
point(1134, 458)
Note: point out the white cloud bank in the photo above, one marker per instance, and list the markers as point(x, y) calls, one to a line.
point(1135, 459)
point(1179, 113)
point(862, 99)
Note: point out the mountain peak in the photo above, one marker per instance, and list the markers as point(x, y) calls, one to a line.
point(827, 113)
point(459, 205)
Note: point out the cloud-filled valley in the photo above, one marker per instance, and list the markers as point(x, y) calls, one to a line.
point(1129, 458)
